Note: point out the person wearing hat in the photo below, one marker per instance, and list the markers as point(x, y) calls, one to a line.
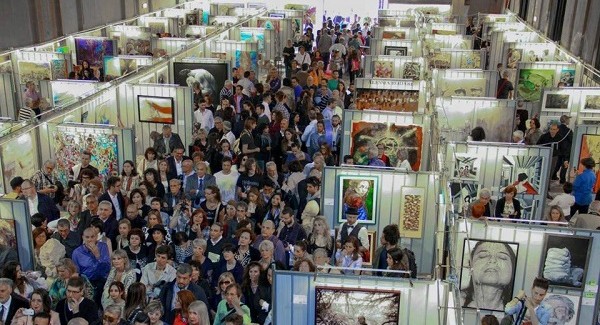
point(583, 187)
point(352, 228)
point(564, 148)
point(227, 134)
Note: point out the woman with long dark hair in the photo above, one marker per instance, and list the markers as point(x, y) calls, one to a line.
point(152, 177)
point(130, 178)
point(40, 302)
point(135, 302)
point(255, 292)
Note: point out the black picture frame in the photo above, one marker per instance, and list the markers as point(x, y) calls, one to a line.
point(579, 248)
point(507, 293)
point(383, 305)
point(219, 72)
point(396, 50)
point(164, 109)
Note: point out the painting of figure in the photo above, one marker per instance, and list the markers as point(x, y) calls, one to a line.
point(211, 76)
point(359, 192)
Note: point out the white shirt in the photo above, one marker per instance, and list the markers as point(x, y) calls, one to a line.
point(404, 164)
point(302, 58)
point(229, 136)
point(308, 130)
point(115, 202)
point(205, 119)
point(564, 201)
point(6, 306)
point(178, 167)
point(246, 85)
point(363, 236)
point(227, 184)
point(33, 205)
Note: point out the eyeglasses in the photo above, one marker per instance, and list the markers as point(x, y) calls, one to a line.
point(109, 318)
point(26, 188)
point(225, 282)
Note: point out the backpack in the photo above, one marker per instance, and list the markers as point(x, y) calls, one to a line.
point(412, 262)
point(237, 146)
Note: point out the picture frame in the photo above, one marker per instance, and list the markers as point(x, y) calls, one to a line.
point(564, 308)
point(8, 233)
point(383, 69)
point(556, 101)
point(531, 83)
point(361, 191)
point(462, 194)
point(411, 70)
point(476, 273)
point(209, 75)
point(396, 100)
point(372, 238)
point(34, 71)
point(383, 306)
point(394, 35)
point(94, 49)
point(466, 167)
point(154, 109)
point(565, 260)
point(525, 172)
point(590, 144)
point(590, 104)
point(412, 212)
point(396, 50)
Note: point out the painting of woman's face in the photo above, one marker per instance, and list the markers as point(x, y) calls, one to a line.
point(492, 265)
point(362, 188)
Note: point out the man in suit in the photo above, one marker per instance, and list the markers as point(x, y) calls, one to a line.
point(111, 225)
point(167, 142)
point(9, 301)
point(194, 188)
point(76, 305)
point(183, 281)
point(114, 196)
point(175, 162)
point(173, 197)
point(75, 171)
point(90, 213)
point(70, 239)
point(39, 202)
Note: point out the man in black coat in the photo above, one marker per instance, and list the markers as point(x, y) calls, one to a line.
point(174, 162)
point(39, 202)
point(9, 301)
point(170, 289)
point(167, 142)
point(114, 196)
point(76, 305)
point(564, 148)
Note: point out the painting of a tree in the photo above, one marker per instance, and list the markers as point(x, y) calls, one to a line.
point(339, 306)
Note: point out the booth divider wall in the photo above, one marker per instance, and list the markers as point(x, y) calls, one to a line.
point(19, 156)
point(586, 138)
point(390, 66)
point(394, 192)
point(8, 100)
point(498, 38)
point(15, 230)
point(395, 47)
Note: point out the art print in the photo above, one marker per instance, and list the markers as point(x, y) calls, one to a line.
point(525, 173)
point(59, 69)
point(153, 109)
point(34, 71)
point(65, 93)
point(590, 148)
point(591, 104)
point(106, 113)
point(8, 234)
point(487, 266)
point(368, 256)
point(556, 102)
point(383, 69)
point(532, 83)
point(466, 167)
point(139, 45)
point(470, 60)
point(271, 24)
point(115, 67)
point(246, 60)
point(393, 35)
point(347, 305)
point(192, 18)
point(411, 212)
point(463, 87)
point(534, 54)
point(158, 27)
point(93, 50)
point(391, 22)
point(401, 142)
point(19, 156)
point(211, 76)
point(564, 308)
point(254, 36)
point(456, 121)
point(387, 100)
point(513, 59)
point(567, 77)
point(396, 50)
point(358, 192)
point(565, 260)
point(463, 194)
point(439, 60)
point(411, 70)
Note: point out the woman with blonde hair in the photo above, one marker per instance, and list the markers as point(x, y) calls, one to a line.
point(225, 279)
point(120, 271)
point(198, 313)
point(320, 237)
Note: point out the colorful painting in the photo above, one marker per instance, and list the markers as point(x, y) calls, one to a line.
point(69, 145)
point(564, 308)
point(115, 67)
point(254, 36)
point(401, 142)
point(513, 59)
point(565, 260)
point(106, 113)
point(470, 60)
point(383, 69)
point(567, 76)
point(411, 70)
point(246, 60)
point(271, 24)
point(591, 104)
point(8, 233)
point(411, 212)
point(139, 45)
point(34, 71)
point(463, 87)
point(211, 76)
point(556, 101)
point(396, 50)
point(590, 148)
point(93, 50)
point(59, 69)
point(67, 92)
point(440, 60)
point(360, 192)
point(532, 83)
point(462, 194)
point(524, 173)
point(19, 157)
point(153, 109)
point(393, 35)
point(387, 100)
point(349, 305)
point(466, 167)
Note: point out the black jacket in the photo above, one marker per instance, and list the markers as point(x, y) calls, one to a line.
point(88, 310)
point(166, 298)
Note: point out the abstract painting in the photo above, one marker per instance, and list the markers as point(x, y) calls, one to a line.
point(590, 148)
point(67, 92)
point(463, 87)
point(115, 67)
point(466, 167)
point(254, 36)
point(93, 50)
point(8, 233)
point(34, 71)
point(470, 60)
point(387, 100)
point(532, 83)
point(591, 104)
point(383, 69)
point(69, 145)
point(462, 195)
point(567, 76)
point(456, 121)
point(106, 113)
point(440, 60)
point(360, 192)
point(396, 50)
point(393, 35)
point(524, 173)
point(368, 256)
point(411, 212)
point(246, 60)
point(154, 109)
point(564, 308)
point(59, 69)
point(556, 101)
point(485, 265)
point(211, 76)
point(346, 305)
point(399, 141)
point(19, 157)
point(565, 260)
point(411, 70)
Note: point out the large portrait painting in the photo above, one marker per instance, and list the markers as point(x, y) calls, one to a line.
point(139, 45)
point(590, 147)
point(154, 109)
point(93, 50)
point(34, 71)
point(513, 59)
point(387, 100)
point(564, 308)
point(565, 260)
point(524, 173)
point(19, 156)
point(383, 69)
point(532, 83)
point(411, 212)
point(463, 87)
point(347, 305)
point(359, 192)
point(211, 76)
point(487, 267)
point(401, 142)
point(466, 167)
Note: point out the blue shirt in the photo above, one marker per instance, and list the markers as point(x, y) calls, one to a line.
point(583, 187)
point(92, 268)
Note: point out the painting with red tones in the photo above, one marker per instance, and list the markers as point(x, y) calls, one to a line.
point(154, 109)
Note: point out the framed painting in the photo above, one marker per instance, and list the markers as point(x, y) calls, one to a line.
point(470, 60)
point(18, 157)
point(565, 260)
point(59, 69)
point(93, 50)
point(246, 60)
point(115, 67)
point(590, 147)
point(139, 45)
point(525, 173)
point(360, 192)
point(192, 18)
point(556, 101)
point(487, 265)
point(34, 71)
point(411, 212)
point(513, 58)
point(383, 69)
point(565, 308)
point(266, 23)
point(152, 109)
point(462, 194)
point(387, 100)
point(393, 35)
point(466, 167)
point(372, 238)
point(591, 104)
point(211, 76)
point(567, 76)
point(463, 87)
point(401, 142)
point(532, 82)
point(65, 92)
point(440, 60)
point(411, 70)
point(496, 121)
point(341, 305)
point(396, 50)
point(8, 233)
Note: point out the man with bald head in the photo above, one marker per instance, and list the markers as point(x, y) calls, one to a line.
point(267, 232)
point(93, 260)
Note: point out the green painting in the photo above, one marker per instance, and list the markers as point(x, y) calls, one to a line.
point(532, 83)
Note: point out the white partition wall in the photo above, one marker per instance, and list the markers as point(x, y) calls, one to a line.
point(395, 47)
point(15, 214)
point(8, 102)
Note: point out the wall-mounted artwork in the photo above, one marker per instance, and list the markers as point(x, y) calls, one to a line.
point(346, 305)
point(591, 104)
point(19, 157)
point(387, 100)
point(565, 260)
point(564, 308)
point(439, 60)
point(360, 192)
point(139, 45)
point(411, 212)
point(513, 59)
point(106, 113)
point(401, 142)
point(487, 266)
point(535, 54)
point(456, 122)
point(443, 32)
point(368, 257)
point(192, 18)
point(254, 36)
point(156, 109)
point(532, 83)
point(396, 50)
point(59, 69)
point(462, 195)
point(271, 24)
point(383, 69)
point(115, 67)
point(34, 71)
point(65, 93)
point(246, 60)
point(393, 35)
point(8, 233)
point(466, 167)
point(463, 87)
point(390, 22)
point(211, 76)
point(590, 147)
point(93, 50)
point(411, 70)
point(567, 76)
point(470, 60)
point(158, 27)
point(556, 101)
point(525, 173)
point(498, 125)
